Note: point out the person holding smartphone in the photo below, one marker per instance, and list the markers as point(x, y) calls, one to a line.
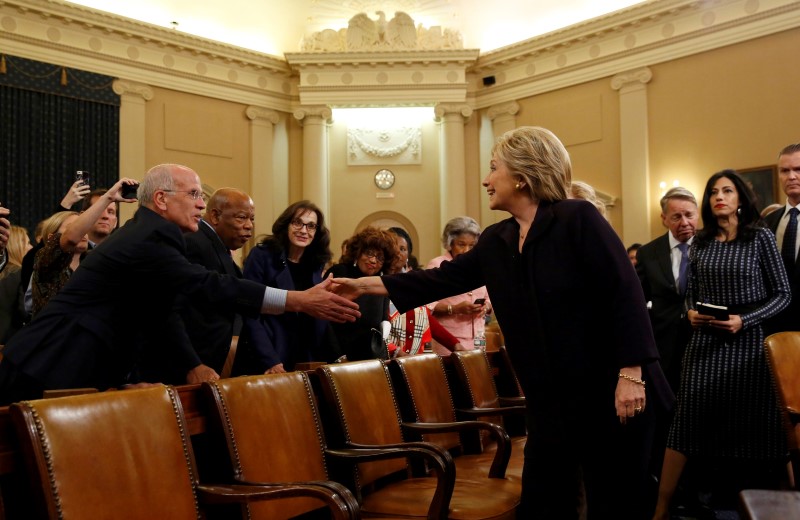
point(462, 315)
point(66, 238)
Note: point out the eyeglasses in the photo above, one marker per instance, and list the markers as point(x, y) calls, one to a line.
point(299, 224)
point(193, 194)
point(371, 253)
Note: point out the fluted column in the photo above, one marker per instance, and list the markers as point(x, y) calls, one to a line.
point(453, 179)
point(634, 137)
point(503, 118)
point(316, 182)
point(133, 97)
point(269, 191)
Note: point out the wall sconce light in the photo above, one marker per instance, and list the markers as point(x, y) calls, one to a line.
point(662, 187)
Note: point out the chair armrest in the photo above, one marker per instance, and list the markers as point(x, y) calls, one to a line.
point(338, 498)
point(497, 432)
point(501, 410)
point(512, 401)
point(440, 459)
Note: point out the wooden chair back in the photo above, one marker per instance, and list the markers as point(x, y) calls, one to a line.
point(783, 352)
point(273, 432)
point(360, 394)
point(227, 367)
point(508, 384)
point(475, 373)
point(428, 392)
point(110, 454)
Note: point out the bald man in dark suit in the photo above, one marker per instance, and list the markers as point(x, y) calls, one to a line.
point(226, 226)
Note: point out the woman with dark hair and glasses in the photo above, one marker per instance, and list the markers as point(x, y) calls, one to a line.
point(291, 258)
point(369, 252)
point(727, 413)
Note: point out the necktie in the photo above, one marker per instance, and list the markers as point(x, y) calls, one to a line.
point(683, 275)
point(789, 240)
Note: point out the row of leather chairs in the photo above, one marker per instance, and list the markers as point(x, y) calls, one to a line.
point(783, 353)
point(355, 439)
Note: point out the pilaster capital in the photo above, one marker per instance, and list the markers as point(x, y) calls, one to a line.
point(446, 109)
point(307, 112)
point(632, 78)
point(254, 113)
point(124, 87)
point(504, 109)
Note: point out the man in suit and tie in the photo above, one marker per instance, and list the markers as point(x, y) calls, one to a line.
point(226, 226)
point(93, 332)
point(662, 266)
point(663, 269)
point(783, 222)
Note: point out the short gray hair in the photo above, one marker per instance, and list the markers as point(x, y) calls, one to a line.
point(157, 178)
point(677, 193)
point(458, 226)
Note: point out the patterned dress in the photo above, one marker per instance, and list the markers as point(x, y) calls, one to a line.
point(51, 272)
point(727, 405)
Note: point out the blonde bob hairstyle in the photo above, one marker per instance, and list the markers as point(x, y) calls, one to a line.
point(54, 223)
point(540, 160)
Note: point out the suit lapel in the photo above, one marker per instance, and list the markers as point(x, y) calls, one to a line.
point(664, 259)
point(223, 254)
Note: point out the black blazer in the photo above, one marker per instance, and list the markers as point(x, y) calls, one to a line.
point(668, 309)
point(210, 327)
point(92, 332)
point(570, 306)
point(789, 318)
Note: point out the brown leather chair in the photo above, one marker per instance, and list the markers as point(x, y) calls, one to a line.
point(481, 400)
point(273, 434)
point(360, 394)
point(507, 382)
point(424, 396)
point(117, 455)
point(783, 352)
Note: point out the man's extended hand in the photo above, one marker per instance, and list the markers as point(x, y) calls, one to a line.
point(320, 302)
point(200, 374)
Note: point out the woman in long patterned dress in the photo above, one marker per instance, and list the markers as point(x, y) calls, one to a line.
point(727, 410)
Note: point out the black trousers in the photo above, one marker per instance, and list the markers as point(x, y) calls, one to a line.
point(610, 458)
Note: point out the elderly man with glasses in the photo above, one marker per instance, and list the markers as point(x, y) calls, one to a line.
point(93, 332)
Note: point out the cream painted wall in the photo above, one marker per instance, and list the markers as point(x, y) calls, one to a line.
point(733, 107)
point(586, 119)
point(416, 191)
point(209, 135)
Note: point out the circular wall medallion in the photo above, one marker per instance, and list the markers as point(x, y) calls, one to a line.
point(384, 179)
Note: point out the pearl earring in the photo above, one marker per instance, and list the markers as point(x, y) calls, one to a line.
point(517, 186)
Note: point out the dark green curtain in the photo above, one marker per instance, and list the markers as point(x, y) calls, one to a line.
point(53, 121)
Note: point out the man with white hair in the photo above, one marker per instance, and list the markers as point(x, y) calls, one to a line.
point(92, 332)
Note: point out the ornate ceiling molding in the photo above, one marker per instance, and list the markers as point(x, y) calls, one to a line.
point(636, 37)
point(641, 36)
point(387, 77)
point(58, 32)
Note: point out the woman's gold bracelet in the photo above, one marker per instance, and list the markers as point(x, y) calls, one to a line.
point(631, 379)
